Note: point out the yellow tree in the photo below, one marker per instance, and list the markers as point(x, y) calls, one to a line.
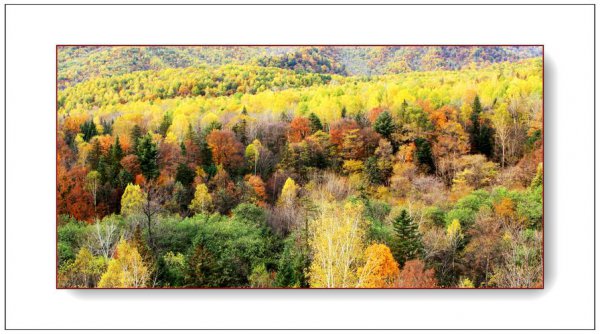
point(84, 272)
point(380, 270)
point(253, 153)
point(133, 200)
point(202, 201)
point(337, 243)
point(288, 193)
point(126, 269)
point(454, 237)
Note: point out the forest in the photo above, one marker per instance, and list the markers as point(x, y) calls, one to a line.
point(299, 167)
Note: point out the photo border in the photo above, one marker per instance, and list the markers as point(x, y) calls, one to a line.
point(292, 4)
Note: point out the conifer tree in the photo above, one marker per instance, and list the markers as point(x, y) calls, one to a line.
point(116, 153)
point(480, 132)
point(136, 134)
point(165, 124)
point(88, 128)
point(95, 155)
point(241, 127)
point(407, 240)
point(384, 124)
point(148, 155)
point(315, 123)
point(424, 155)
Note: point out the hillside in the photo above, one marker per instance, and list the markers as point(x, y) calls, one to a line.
point(78, 64)
point(300, 167)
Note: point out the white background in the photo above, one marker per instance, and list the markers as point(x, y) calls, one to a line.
point(566, 32)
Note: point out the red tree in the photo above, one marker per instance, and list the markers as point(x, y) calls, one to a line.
point(72, 197)
point(226, 149)
point(339, 129)
point(414, 275)
point(299, 129)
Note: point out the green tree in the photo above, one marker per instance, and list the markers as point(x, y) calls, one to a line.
point(116, 152)
point(88, 128)
point(165, 124)
point(407, 240)
point(293, 263)
point(148, 156)
point(95, 155)
point(481, 134)
point(184, 174)
point(136, 135)
point(424, 155)
point(384, 125)
point(315, 123)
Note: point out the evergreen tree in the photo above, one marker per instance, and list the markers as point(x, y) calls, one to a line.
point(424, 155)
point(139, 242)
point(241, 127)
point(315, 123)
point(94, 156)
point(124, 178)
point(148, 156)
point(293, 263)
point(384, 125)
point(403, 111)
point(107, 126)
point(88, 128)
point(116, 153)
point(165, 124)
point(185, 174)
point(136, 134)
point(372, 171)
point(183, 149)
point(480, 132)
point(344, 112)
point(407, 240)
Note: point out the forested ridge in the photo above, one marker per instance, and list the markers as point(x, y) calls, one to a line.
point(364, 167)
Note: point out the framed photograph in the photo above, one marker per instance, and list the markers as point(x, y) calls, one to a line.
point(300, 166)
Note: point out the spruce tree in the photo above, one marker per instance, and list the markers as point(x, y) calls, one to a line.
point(148, 156)
point(241, 128)
point(372, 171)
point(480, 132)
point(165, 124)
point(116, 153)
point(315, 123)
point(136, 134)
point(88, 128)
point(183, 149)
point(185, 175)
point(107, 126)
point(94, 156)
point(407, 240)
point(384, 125)
point(424, 155)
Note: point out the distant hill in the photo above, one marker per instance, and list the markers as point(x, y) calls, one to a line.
point(385, 60)
point(77, 64)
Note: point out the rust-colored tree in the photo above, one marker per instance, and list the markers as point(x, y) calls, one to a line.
point(299, 129)
point(414, 275)
point(226, 149)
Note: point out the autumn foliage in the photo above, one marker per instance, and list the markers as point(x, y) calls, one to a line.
point(280, 167)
